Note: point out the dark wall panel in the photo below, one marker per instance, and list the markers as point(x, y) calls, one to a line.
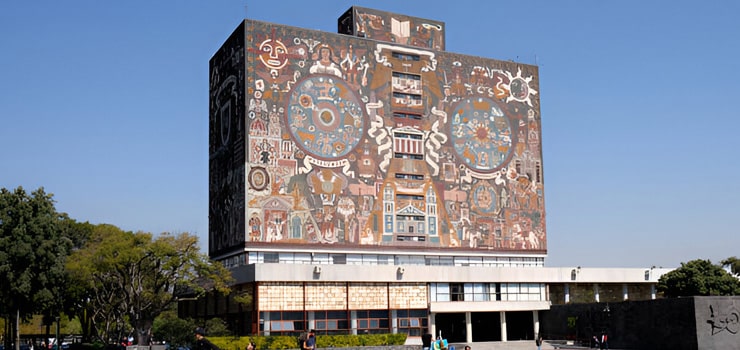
point(226, 140)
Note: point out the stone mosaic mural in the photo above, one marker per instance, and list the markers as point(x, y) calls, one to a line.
point(358, 142)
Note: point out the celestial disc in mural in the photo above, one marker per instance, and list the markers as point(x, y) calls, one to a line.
point(481, 134)
point(325, 117)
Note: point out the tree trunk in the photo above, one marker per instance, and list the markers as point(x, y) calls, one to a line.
point(143, 332)
point(17, 329)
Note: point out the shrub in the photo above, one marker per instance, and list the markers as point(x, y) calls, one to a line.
point(280, 342)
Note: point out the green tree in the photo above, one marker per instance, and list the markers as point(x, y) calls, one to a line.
point(172, 329)
point(76, 303)
point(698, 277)
point(33, 250)
point(733, 263)
point(134, 277)
point(216, 327)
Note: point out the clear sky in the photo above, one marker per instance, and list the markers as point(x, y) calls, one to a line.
point(105, 105)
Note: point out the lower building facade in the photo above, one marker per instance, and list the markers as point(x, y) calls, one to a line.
point(460, 298)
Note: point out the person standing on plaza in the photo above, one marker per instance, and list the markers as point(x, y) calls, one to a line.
point(426, 340)
point(201, 343)
point(310, 340)
point(538, 342)
point(604, 343)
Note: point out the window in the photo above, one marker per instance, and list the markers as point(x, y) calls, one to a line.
point(405, 56)
point(339, 259)
point(372, 321)
point(408, 260)
point(415, 197)
point(411, 100)
point(272, 258)
point(481, 292)
point(440, 292)
point(457, 292)
point(406, 83)
point(401, 135)
point(403, 115)
point(439, 261)
point(331, 320)
point(521, 291)
point(282, 322)
point(410, 177)
point(411, 322)
point(408, 156)
point(302, 258)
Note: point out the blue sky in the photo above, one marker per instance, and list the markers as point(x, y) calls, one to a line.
point(105, 105)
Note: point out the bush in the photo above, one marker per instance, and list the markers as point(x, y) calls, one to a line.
point(280, 342)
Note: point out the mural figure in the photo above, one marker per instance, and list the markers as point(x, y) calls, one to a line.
point(324, 62)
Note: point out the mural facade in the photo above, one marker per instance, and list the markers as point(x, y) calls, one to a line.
point(371, 140)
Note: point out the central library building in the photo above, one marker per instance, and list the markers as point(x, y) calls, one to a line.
point(368, 181)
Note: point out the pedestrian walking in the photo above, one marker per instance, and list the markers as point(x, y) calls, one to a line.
point(201, 343)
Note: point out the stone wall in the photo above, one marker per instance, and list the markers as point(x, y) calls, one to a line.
point(678, 323)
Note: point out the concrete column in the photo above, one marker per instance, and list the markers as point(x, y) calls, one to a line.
point(432, 326)
point(504, 337)
point(265, 322)
point(468, 327)
point(353, 321)
point(596, 292)
point(625, 292)
point(394, 321)
point(567, 293)
point(652, 291)
point(311, 320)
point(536, 318)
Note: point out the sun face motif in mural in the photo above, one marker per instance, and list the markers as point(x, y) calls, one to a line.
point(481, 134)
point(325, 117)
point(519, 89)
point(273, 54)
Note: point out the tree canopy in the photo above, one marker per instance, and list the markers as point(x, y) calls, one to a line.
point(698, 278)
point(132, 277)
point(33, 248)
point(733, 263)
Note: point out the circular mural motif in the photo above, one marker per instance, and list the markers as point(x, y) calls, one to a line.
point(258, 178)
point(481, 134)
point(325, 117)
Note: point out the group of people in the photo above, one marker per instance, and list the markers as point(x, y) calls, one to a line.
point(601, 342)
point(426, 343)
point(427, 339)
